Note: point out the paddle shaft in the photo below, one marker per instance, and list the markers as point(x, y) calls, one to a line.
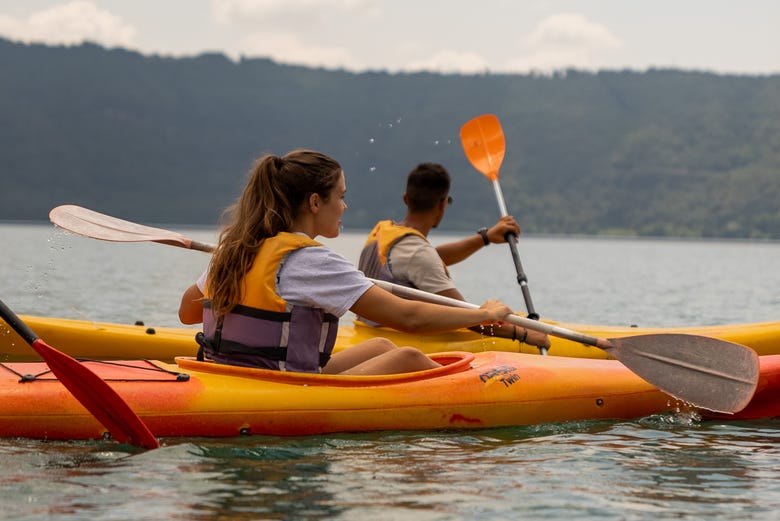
point(706, 372)
point(500, 199)
point(511, 239)
point(16, 324)
point(416, 294)
point(200, 246)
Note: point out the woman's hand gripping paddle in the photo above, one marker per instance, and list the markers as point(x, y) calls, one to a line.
point(88, 388)
point(483, 143)
point(706, 372)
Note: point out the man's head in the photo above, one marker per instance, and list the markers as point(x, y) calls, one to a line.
point(427, 187)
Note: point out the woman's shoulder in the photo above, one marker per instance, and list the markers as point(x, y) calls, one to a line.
point(317, 255)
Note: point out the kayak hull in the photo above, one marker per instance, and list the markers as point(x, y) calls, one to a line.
point(101, 340)
point(471, 391)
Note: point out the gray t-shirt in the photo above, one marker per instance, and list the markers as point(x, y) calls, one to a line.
point(416, 260)
point(318, 277)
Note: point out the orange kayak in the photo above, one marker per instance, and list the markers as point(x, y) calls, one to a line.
point(470, 391)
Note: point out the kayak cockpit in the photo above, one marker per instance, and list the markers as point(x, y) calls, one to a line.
point(451, 362)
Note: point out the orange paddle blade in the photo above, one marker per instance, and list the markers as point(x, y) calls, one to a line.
point(483, 143)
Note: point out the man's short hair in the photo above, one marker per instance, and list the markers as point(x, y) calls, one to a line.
point(426, 186)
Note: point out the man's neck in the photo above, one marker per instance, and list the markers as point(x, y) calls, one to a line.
point(420, 222)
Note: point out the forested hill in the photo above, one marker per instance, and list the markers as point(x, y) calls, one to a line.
point(164, 140)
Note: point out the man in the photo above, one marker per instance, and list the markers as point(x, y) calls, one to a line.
point(400, 252)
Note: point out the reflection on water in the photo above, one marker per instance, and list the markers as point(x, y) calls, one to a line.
point(663, 466)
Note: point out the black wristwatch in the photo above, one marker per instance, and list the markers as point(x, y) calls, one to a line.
point(483, 232)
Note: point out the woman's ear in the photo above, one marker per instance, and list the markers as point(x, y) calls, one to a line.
point(314, 203)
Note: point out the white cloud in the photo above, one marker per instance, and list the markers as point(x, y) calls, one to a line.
point(289, 48)
point(70, 23)
point(284, 29)
point(243, 11)
point(568, 30)
point(564, 40)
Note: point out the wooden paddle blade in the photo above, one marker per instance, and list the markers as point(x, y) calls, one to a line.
point(706, 372)
point(483, 142)
point(104, 227)
point(89, 389)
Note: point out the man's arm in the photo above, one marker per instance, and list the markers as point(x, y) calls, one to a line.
point(422, 266)
point(456, 251)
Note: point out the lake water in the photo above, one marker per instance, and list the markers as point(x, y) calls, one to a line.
point(659, 467)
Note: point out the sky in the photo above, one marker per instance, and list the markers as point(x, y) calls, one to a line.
point(448, 36)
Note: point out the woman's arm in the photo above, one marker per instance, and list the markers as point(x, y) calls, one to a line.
point(413, 316)
point(191, 307)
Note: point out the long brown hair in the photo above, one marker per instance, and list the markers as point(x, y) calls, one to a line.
point(274, 195)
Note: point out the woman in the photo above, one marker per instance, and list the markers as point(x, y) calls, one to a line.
point(272, 295)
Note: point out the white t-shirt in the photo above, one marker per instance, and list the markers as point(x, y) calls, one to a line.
point(316, 276)
point(416, 260)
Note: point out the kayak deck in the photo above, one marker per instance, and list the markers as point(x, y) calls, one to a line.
point(99, 340)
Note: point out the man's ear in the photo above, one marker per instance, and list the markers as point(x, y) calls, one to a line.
point(405, 199)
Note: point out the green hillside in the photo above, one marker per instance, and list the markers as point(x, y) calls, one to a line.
point(163, 140)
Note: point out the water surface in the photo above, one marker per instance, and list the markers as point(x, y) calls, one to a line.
point(671, 466)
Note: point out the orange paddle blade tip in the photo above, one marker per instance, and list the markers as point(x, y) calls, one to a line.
point(483, 142)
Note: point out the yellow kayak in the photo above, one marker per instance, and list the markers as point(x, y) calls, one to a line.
point(102, 340)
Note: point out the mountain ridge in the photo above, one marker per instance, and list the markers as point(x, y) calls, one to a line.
point(170, 140)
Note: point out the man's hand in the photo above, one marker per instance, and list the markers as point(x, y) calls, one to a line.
point(497, 234)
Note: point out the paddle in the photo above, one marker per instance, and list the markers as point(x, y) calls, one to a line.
point(99, 226)
point(87, 387)
point(706, 372)
point(483, 143)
